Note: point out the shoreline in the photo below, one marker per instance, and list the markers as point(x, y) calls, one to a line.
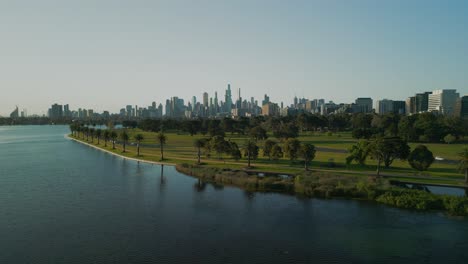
point(318, 185)
point(118, 155)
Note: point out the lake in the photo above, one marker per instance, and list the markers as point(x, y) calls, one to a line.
point(64, 202)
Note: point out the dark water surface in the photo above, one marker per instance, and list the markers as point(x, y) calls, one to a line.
point(63, 202)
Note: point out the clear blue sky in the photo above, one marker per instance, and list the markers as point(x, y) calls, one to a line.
point(104, 54)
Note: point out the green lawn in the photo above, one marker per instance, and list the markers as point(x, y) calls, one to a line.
point(179, 149)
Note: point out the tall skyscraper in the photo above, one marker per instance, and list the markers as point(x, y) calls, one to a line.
point(228, 100)
point(266, 100)
point(205, 99)
point(216, 105)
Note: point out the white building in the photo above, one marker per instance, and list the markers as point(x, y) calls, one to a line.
point(443, 101)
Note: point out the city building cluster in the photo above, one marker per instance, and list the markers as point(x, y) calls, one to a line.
point(445, 102)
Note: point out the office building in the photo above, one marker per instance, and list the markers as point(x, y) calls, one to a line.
point(443, 101)
point(363, 105)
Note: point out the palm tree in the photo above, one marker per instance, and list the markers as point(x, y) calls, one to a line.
point(98, 133)
point(113, 136)
point(463, 165)
point(124, 137)
point(86, 130)
point(138, 138)
point(91, 133)
point(199, 143)
point(161, 138)
point(106, 136)
point(73, 129)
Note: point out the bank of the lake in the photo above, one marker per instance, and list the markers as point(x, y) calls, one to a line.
point(319, 184)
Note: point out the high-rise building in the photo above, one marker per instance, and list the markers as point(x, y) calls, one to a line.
point(384, 106)
point(216, 105)
point(270, 109)
point(461, 107)
point(410, 105)
point(443, 101)
point(66, 110)
point(56, 111)
point(422, 102)
point(363, 105)
point(129, 110)
point(15, 113)
point(399, 107)
point(228, 100)
point(266, 100)
point(205, 99)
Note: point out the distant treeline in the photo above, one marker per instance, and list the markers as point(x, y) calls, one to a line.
point(425, 127)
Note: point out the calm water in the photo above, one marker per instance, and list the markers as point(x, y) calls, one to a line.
point(63, 202)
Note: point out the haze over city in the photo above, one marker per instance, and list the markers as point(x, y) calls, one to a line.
point(82, 52)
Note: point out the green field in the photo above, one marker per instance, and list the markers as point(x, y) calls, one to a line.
point(179, 149)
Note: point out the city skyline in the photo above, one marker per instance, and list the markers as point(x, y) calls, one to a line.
point(83, 52)
point(444, 102)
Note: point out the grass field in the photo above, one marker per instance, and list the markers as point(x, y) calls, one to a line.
point(179, 149)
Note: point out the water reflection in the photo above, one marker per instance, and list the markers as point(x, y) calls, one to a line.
point(199, 186)
point(162, 181)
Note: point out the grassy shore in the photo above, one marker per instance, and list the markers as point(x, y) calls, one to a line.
point(320, 182)
point(179, 149)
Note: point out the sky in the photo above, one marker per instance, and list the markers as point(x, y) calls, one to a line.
point(105, 54)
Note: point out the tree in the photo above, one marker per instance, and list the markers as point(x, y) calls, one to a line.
point(268, 147)
point(113, 136)
point(138, 138)
point(91, 133)
point(234, 151)
point(98, 133)
point(291, 148)
point(219, 144)
point(421, 158)
point(276, 152)
point(449, 138)
point(258, 133)
point(388, 149)
point(161, 138)
point(106, 136)
point(358, 153)
point(250, 151)
point(199, 143)
point(86, 132)
point(124, 137)
point(463, 164)
point(73, 128)
point(307, 152)
point(377, 151)
point(395, 148)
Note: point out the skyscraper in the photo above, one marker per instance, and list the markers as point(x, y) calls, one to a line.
point(228, 100)
point(216, 106)
point(205, 99)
